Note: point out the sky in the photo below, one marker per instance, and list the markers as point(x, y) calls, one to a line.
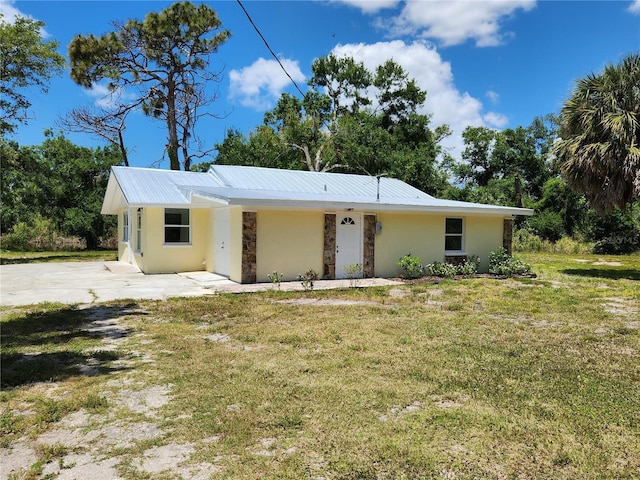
point(492, 63)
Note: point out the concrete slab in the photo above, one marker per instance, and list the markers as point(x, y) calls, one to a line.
point(93, 282)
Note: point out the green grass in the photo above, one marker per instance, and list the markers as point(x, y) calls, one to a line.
point(8, 257)
point(475, 378)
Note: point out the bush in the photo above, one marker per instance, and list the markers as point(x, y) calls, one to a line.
point(501, 263)
point(440, 269)
point(411, 266)
point(524, 240)
point(307, 279)
point(469, 267)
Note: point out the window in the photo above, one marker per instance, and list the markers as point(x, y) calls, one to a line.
point(177, 228)
point(139, 231)
point(453, 235)
point(125, 226)
point(347, 221)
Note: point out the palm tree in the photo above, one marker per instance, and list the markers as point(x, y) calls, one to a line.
point(599, 150)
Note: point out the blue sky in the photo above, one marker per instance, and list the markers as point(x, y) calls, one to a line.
point(496, 63)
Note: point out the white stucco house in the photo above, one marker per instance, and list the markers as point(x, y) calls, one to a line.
point(246, 222)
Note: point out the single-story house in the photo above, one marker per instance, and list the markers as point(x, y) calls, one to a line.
point(246, 222)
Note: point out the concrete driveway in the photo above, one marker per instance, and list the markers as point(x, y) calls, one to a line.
point(89, 282)
point(92, 282)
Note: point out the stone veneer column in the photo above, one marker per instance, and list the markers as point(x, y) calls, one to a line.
point(507, 234)
point(329, 253)
point(368, 252)
point(249, 232)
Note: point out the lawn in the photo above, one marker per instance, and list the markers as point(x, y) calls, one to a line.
point(464, 379)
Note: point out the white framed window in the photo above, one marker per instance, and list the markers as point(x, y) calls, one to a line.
point(454, 235)
point(177, 226)
point(125, 226)
point(139, 230)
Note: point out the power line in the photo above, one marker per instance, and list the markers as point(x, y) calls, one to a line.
point(269, 48)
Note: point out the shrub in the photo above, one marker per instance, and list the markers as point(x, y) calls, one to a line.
point(275, 278)
point(440, 269)
point(501, 263)
point(469, 267)
point(411, 266)
point(307, 279)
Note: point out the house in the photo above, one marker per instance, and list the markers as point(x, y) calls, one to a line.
point(246, 222)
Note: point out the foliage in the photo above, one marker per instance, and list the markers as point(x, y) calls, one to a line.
point(275, 278)
point(351, 119)
point(505, 166)
point(307, 279)
point(23, 234)
point(411, 266)
point(469, 267)
point(599, 151)
point(165, 58)
point(57, 181)
point(26, 60)
point(441, 269)
point(501, 263)
point(354, 273)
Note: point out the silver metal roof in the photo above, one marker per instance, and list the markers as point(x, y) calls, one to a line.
point(266, 187)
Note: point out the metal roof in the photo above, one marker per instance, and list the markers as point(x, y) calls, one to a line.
point(266, 187)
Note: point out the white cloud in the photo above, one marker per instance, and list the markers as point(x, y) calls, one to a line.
point(494, 97)
point(445, 103)
point(9, 13)
point(455, 21)
point(495, 120)
point(107, 99)
point(370, 6)
point(260, 84)
point(635, 7)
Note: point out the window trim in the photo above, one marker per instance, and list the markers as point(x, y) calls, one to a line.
point(180, 226)
point(125, 227)
point(454, 235)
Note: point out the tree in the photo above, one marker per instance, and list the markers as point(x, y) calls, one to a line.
point(165, 58)
point(351, 120)
point(57, 181)
point(26, 60)
point(599, 151)
point(516, 161)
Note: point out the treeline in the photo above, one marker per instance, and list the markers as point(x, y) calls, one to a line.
point(54, 190)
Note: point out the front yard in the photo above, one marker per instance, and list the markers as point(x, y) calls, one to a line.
point(465, 379)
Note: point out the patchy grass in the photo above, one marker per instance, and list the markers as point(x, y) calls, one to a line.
point(474, 378)
point(10, 257)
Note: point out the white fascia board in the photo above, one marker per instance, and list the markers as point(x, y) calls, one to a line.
point(454, 210)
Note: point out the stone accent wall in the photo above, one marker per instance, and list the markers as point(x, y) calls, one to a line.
point(507, 234)
point(329, 254)
point(249, 231)
point(369, 246)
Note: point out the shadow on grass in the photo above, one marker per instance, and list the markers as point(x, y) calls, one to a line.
point(59, 343)
point(610, 273)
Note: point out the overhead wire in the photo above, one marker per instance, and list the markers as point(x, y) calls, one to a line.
point(269, 47)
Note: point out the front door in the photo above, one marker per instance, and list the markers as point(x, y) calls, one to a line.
point(221, 238)
point(348, 241)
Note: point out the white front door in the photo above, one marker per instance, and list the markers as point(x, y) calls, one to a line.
point(348, 241)
point(221, 238)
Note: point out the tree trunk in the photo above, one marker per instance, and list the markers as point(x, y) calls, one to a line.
point(172, 126)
